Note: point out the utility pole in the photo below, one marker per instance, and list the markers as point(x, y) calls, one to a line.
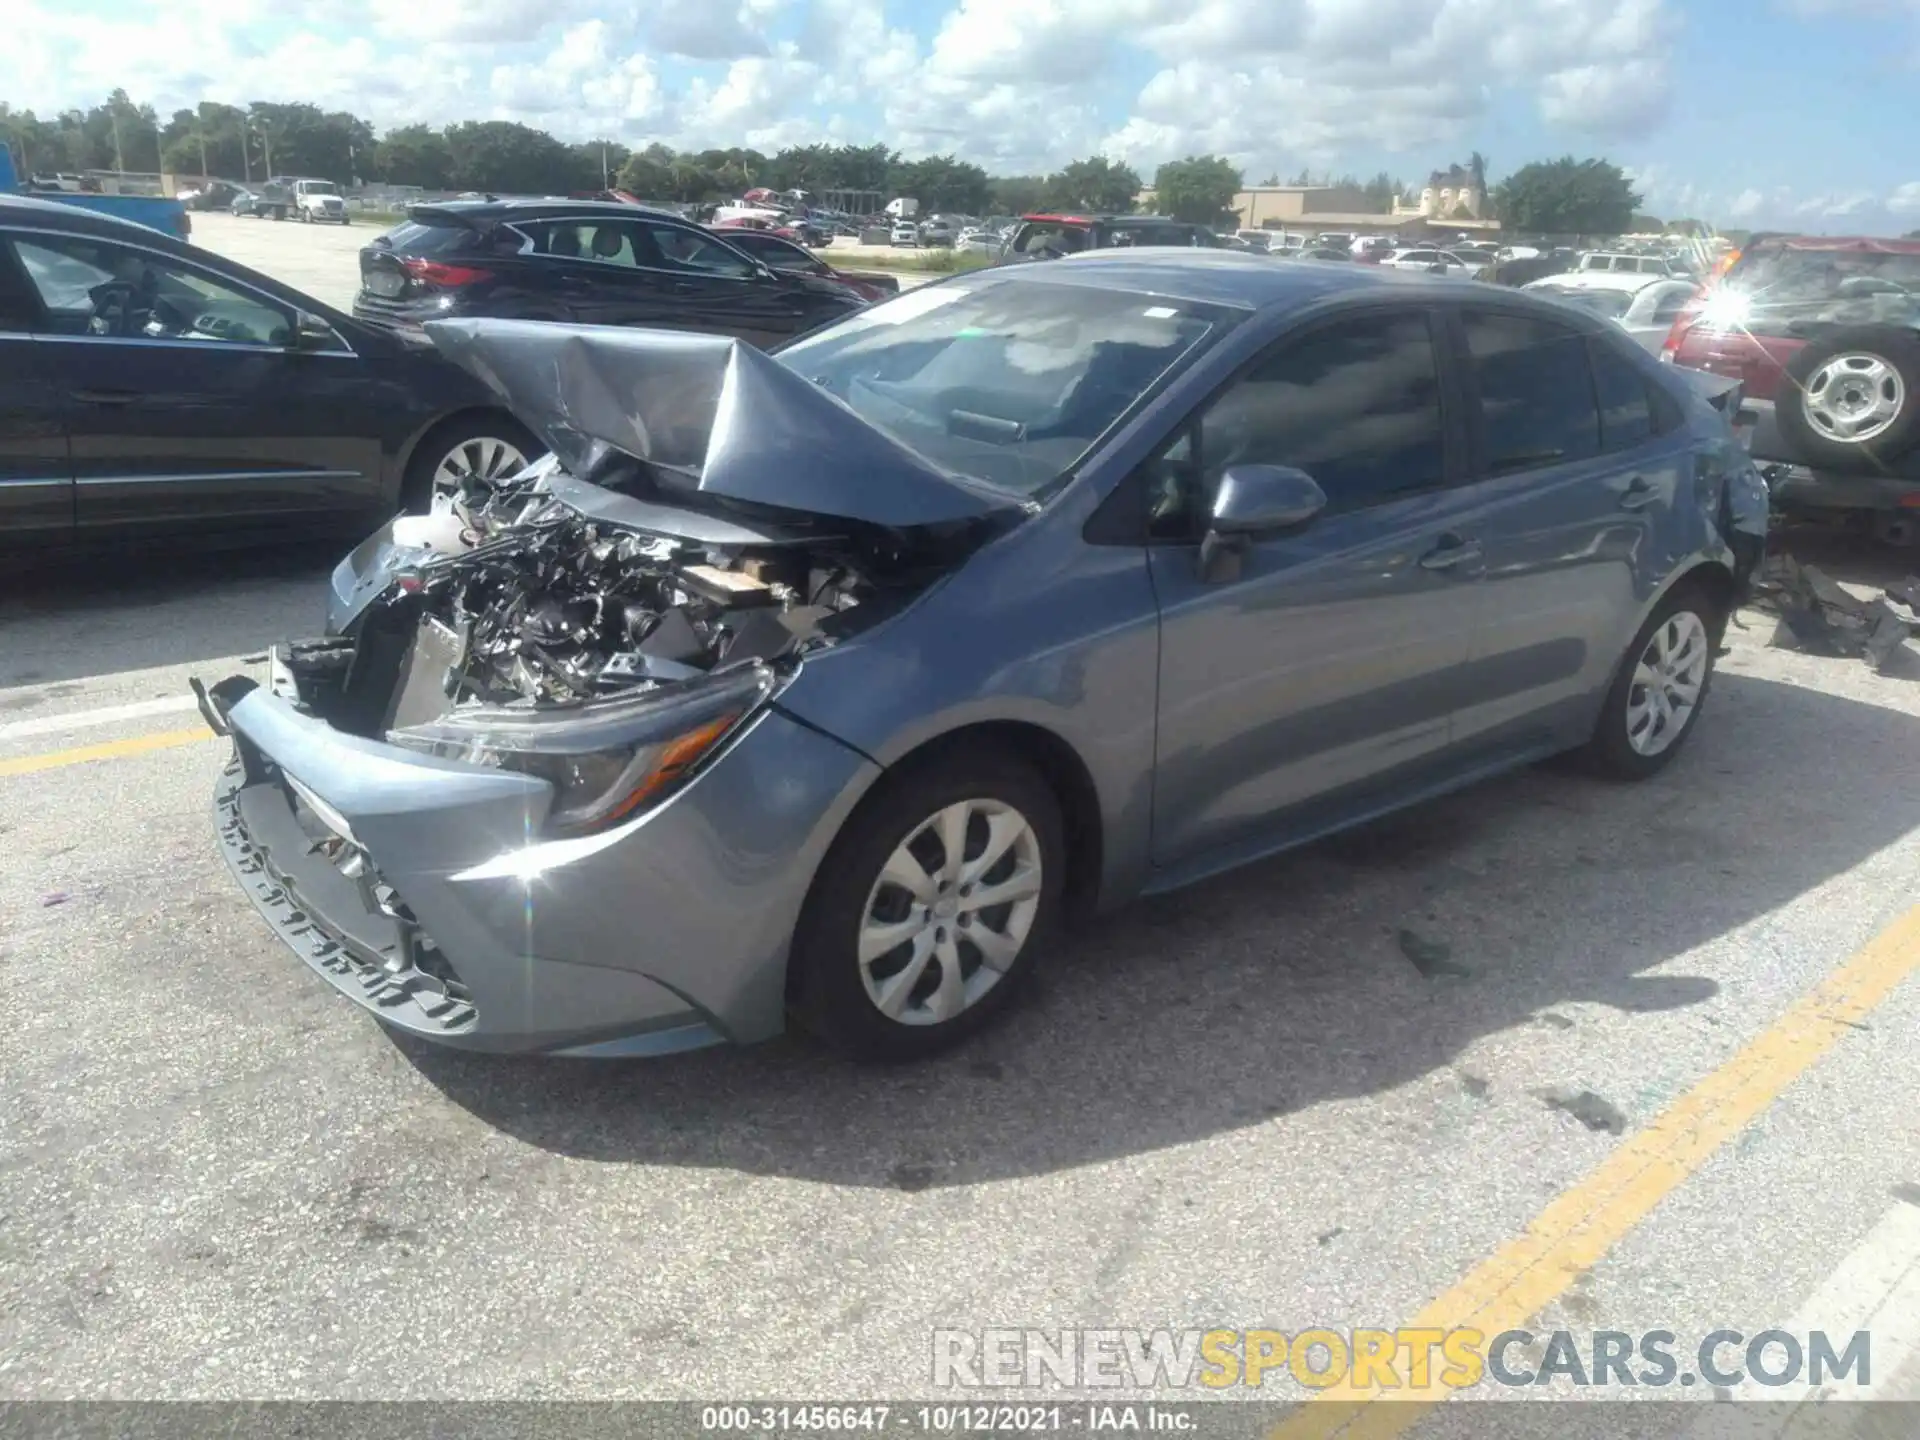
point(246, 151)
point(113, 113)
point(603, 165)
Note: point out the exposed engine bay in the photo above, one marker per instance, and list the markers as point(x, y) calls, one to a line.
point(519, 600)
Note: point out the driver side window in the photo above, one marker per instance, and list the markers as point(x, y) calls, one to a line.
point(95, 287)
point(1354, 403)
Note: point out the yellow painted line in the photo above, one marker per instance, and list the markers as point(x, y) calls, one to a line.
point(107, 750)
point(1573, 1233)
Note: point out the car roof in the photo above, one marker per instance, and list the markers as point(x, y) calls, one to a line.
point(53, 214)
point(530, 209)
point(1867, 243)
point(1104, 219)
point(1604, 279)
point(1234, 278)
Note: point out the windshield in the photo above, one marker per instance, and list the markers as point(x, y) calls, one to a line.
point(1009, 383)
point(1785, 288)
point(320, 187)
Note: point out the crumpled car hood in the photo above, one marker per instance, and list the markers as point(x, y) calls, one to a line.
point(711, 416)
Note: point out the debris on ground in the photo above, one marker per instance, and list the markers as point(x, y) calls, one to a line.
point(1593, 1111)
point(54, 897)
point(1430, 957)
point(1819, 616)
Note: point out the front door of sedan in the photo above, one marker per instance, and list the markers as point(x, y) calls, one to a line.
point(190, 400)
point(1319, 683)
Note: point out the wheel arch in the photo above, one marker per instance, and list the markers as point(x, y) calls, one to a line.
point(1053, 759)
point(1714, 577)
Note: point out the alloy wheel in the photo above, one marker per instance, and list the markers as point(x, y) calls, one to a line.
point(1667, 683)
point(950, 912)
point(484, 457)
point(1855, 397)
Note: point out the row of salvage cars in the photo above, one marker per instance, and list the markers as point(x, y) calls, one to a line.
point(821, 684)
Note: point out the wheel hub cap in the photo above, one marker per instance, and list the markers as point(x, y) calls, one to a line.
point(1667, 681)
point(482, 458)
point(1854, 397)
point(950, 912)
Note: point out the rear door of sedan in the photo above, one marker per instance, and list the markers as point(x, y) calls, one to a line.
point(36, 473)
point(1319, 683)
point(1580, 459)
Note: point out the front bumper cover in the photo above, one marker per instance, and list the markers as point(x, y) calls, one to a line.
point(421, 889)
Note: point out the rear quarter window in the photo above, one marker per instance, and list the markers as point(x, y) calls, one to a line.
point(1535, 382)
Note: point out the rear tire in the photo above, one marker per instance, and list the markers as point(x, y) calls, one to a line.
point(957, 963)
point(1659, 690)
point(1866, 378)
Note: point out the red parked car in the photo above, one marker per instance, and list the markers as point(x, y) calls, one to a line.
point(1824, 334)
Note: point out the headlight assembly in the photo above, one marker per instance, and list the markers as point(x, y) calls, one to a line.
point(604, 759)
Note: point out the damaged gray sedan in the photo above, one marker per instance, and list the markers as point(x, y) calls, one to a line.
point(821, 686)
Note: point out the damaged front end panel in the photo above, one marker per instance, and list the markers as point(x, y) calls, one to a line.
point(514, 629)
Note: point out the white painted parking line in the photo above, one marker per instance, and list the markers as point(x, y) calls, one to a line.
point(87, 719)
point(1875, 1289)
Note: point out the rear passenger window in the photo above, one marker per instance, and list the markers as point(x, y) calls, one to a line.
point(1536, 391)
point(1626, 400)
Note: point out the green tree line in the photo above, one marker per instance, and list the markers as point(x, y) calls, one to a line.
point(254, 141)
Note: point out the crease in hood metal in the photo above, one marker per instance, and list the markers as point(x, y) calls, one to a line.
point(711, 416)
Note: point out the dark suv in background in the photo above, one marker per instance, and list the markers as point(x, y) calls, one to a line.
point(1824, 334)
point(1049, 237)
point(586, 262)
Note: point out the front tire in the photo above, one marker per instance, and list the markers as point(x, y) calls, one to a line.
point(485, 447)
point(1661, 687)
point(928, 910)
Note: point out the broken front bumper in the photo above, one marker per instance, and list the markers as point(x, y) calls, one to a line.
point(421, 888)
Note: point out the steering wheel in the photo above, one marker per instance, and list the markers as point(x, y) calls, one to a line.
point(113, 307)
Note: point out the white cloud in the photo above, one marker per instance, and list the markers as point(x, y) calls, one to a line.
point(1849, 203)
point(1016, 85)
point(1276, 83)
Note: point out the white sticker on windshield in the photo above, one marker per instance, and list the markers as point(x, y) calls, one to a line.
point(1160, 312)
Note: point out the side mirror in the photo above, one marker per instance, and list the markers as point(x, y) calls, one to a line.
point(1436, 268)
point(1254, 501)
point(310, 332)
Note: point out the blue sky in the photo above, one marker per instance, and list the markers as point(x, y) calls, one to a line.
point(1782, 113)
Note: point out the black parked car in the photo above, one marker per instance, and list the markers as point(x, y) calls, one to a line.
point(1050, 237)
point(149, 388)
point(586, 262)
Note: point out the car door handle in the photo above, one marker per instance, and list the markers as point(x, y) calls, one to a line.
point(1638, 495)
point(106, 397)
point(1450, 552)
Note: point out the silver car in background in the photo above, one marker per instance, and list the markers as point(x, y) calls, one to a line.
point(1643, 305)
point(822, 686)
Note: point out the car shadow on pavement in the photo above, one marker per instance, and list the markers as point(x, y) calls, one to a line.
point(82, 618)
point(1291, 982)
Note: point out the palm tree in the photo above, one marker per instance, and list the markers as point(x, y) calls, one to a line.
point(269, 128)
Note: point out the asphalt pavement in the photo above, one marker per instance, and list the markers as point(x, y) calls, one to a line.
point(1648, 1048)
